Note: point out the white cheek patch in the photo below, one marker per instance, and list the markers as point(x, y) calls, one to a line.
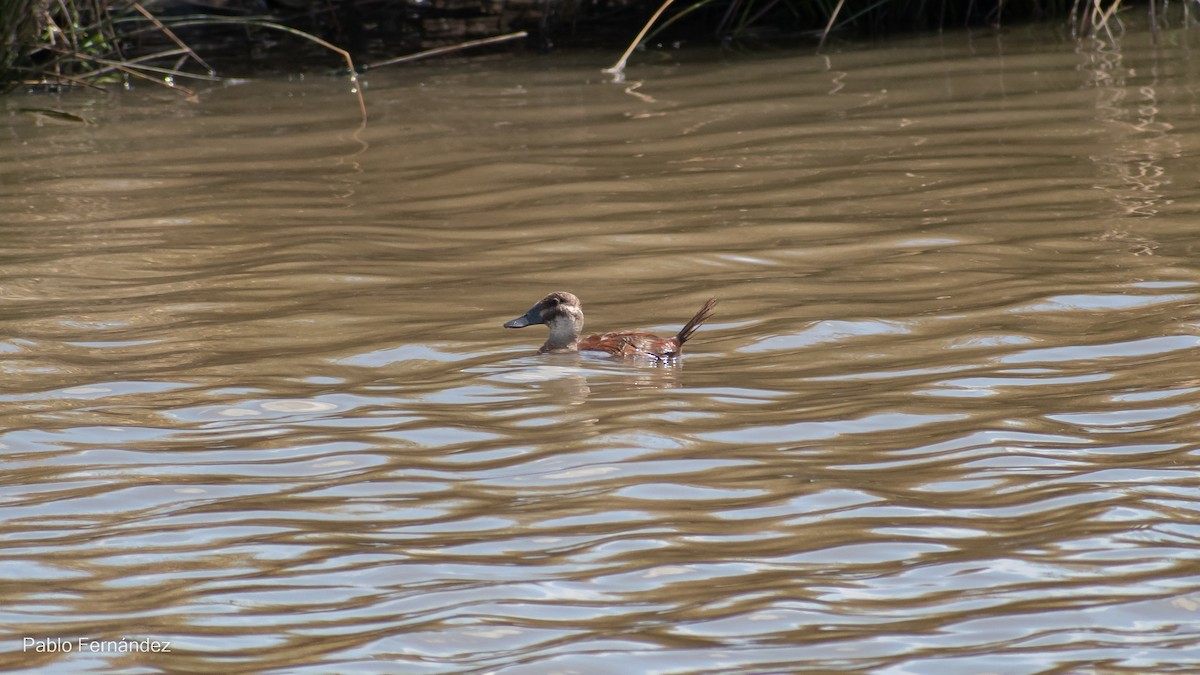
point(561, 326)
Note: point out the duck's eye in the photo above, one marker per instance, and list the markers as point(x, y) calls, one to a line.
point(553, 302)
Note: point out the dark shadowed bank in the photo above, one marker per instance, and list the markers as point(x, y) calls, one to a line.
point(79, 43)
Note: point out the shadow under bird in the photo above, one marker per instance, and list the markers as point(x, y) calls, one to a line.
point(563, 314)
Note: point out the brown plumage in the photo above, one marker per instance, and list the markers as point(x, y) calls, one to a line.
point(563, 313)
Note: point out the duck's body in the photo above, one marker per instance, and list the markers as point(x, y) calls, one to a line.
point(563, 314)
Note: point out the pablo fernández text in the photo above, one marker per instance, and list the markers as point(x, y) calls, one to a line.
point(87, 645)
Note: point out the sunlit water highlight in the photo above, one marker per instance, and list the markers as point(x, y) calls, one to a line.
point(258, 402)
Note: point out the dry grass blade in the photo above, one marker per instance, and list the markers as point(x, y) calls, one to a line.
point(62, 78)
point(124, 68)
point(170, 72)
point(619, 66)
point(362, 104)
point(829, 26)
point(1101, 16)
point(448, 49)
point(174, 38)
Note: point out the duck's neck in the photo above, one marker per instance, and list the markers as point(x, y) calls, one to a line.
point(564, 333)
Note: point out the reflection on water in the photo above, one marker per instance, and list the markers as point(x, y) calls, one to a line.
point(258, 401)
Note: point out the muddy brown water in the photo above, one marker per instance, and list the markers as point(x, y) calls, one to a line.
point(257, 402)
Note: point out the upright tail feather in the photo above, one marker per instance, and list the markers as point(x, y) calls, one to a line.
point(694, 323)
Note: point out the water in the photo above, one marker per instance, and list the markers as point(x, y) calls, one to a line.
point(258, 404)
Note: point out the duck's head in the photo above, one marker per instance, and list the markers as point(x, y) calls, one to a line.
point(560, 311)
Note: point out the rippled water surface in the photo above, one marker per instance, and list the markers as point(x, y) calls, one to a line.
point(257, 401)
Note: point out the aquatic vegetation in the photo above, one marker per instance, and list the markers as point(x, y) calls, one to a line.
point(730, 20)
point(17, 27)
point(778, 21)
point(85, 44)
point(89, 42)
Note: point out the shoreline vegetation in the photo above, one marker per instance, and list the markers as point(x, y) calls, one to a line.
point(50, 45)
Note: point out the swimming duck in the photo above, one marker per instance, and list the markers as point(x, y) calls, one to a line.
point(563, 314)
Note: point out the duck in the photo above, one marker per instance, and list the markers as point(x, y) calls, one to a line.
point(563, 314)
